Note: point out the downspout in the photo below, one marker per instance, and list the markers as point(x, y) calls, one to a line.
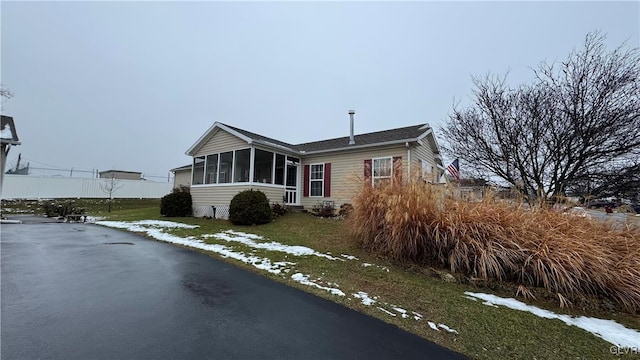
point(408, 160)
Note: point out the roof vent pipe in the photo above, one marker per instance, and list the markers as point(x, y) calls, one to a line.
point(351, 139)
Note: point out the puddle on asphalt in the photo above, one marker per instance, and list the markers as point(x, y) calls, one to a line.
point(212, 291)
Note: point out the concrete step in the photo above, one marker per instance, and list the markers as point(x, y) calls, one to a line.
point(296, 208)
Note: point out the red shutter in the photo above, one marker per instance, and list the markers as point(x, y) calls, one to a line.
point(397, 169)
point(305, 183)
point(367, 171)
point(327, 179)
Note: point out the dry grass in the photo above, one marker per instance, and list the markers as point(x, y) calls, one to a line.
point(567, 255)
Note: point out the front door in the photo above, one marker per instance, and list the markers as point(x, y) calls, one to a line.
point(292, 181)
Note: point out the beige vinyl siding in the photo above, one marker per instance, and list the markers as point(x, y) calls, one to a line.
point(182, 177)
point(274, 194)
point(204, 197)
point(347, 172)
point(424, 152)
point(221, 141)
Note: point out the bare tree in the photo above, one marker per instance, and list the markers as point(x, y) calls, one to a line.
point(577, 120)
point(110, 186)
point(5, 93)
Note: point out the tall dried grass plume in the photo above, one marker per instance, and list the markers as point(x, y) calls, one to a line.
point(491, 239)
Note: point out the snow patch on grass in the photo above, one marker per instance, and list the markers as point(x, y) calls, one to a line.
point(368, 300)
point(402, 312)
point(365, 298)
point(304, 280)
point(250, 240)
point(447, 328)
point(153, 228)
point(386, 311)
point(383, 268)
point(608, 330)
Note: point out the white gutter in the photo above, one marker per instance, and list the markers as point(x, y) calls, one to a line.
point(277, 146)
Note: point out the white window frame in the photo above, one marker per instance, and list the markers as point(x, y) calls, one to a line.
point(235, 168)
point(206, 166)
point(428, 171)
point(232, 170)
point(311, 180)
point(253, 167)
point(373, 172)
point(193, 169)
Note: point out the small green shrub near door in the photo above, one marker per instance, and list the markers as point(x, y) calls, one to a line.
point(250, 207)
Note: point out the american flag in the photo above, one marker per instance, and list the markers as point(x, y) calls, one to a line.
point(454, 170)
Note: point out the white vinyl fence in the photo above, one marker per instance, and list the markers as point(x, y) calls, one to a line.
point(45, 187)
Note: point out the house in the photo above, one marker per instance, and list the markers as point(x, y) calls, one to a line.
point(182, 176)
point(8, 137)
point(120, 174)
point(227, 160)
point(470, 189)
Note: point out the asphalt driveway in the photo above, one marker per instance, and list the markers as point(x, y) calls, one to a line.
point(80, 291)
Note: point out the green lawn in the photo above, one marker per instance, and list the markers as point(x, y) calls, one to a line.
point(94, 207)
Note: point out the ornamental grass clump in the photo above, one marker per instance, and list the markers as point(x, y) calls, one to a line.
point(569, 256)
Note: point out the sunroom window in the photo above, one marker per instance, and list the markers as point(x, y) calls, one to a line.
point(263, 166)
point(279, 169)
point(241, 165)
point(224, 173)
point(198, 170)
point(211, 172)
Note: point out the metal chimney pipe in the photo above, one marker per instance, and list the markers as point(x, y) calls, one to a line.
point(351, 139)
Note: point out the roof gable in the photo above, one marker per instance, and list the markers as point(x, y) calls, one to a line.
point(8, 133)
point(217, 126)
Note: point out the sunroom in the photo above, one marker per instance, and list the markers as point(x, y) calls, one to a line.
point(274, 173)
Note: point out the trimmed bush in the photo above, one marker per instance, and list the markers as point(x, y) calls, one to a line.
point(177, 204)
point(250, 207)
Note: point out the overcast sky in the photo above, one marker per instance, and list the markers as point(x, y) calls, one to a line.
point(132, 85)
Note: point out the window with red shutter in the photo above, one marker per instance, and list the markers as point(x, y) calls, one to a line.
point(305, 183)
point(327, 179)
point(367, 171)
point(397, 169)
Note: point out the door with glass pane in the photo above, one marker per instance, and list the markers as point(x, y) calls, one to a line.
point(292, 176)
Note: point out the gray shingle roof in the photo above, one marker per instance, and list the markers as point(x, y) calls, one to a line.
point(258, 137)
point(181, 168)
point(409, 133)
